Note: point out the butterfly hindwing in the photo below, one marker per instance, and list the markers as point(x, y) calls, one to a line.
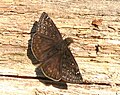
point(51, 68)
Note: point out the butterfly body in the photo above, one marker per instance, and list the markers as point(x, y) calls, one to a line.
point(49, 48)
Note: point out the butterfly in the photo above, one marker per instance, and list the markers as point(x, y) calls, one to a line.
point(51, 50)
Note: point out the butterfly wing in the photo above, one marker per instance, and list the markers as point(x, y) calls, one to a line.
point(51, 68)
point(45, 36)
point(70, 70)
point(47, 27)
point(57, 66)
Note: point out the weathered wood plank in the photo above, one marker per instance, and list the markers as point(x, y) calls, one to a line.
point(73, 18)
point(13, 86)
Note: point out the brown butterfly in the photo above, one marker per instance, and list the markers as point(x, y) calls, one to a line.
point(52, 51)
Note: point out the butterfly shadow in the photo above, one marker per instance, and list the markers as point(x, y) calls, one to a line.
point(40, 76)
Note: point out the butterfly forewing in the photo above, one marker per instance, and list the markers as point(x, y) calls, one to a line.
point(70, 70)
point(39, 45)
point(45, 36)
point(48, 28)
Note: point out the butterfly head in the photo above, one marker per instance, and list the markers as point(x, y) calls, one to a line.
point(69, 40)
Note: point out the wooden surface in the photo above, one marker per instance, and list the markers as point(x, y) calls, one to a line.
point(101, 73)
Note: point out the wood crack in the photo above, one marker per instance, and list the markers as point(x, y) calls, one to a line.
point(44, 79)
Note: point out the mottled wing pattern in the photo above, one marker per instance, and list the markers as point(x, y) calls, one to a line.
point(45, 36)
point(34, 28)
point(52, 67)
point(70, 70)
point(47, 27)
point(57, 63)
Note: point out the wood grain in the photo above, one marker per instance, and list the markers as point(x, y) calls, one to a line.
point(101, 73)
